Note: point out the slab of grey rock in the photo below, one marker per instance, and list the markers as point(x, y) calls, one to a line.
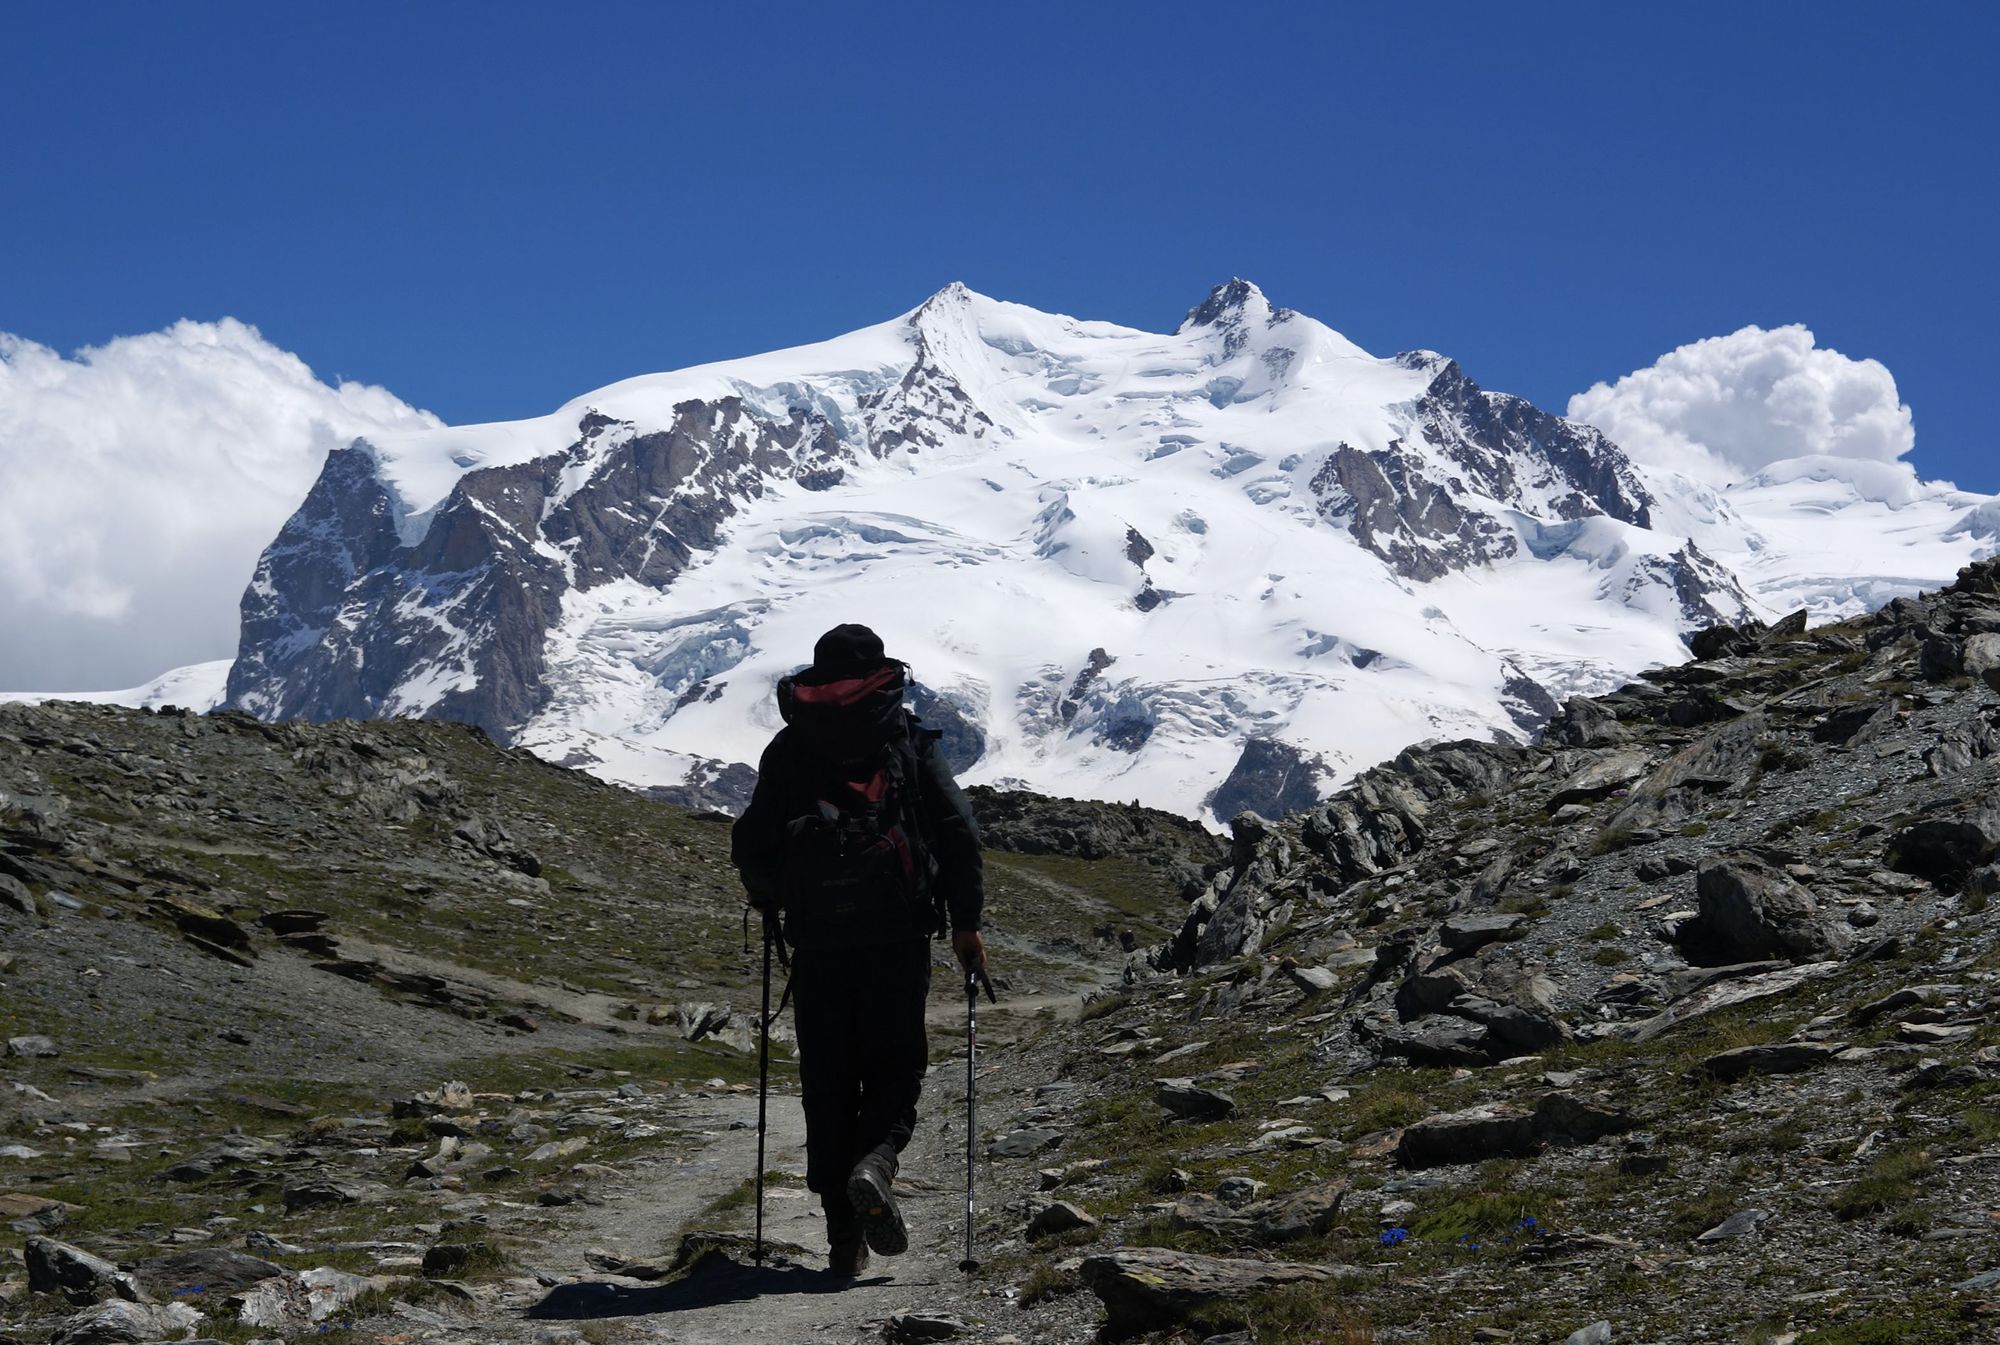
point(32, 1047)
point(1058, 1216)
point(1499, 1131)
point(914, 1327)
point(314, 1194)
point(1304, 1213)
point(204, 1270)
point(1614, 770)
point(1238, 1190)
point(1146, 1288)
point(1312, 980)
point(1024, 1143)
point(1187, 1099)
point(1597, 1333)
point(1465, 933)
point(118, 1322)
point(59, 1268)
point(1791, 1057)
point(1735, 1226)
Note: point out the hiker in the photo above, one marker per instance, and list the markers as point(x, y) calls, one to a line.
point(858, 837)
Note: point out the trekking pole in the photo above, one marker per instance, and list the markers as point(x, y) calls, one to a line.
point(973, 980)
point(763, 1089)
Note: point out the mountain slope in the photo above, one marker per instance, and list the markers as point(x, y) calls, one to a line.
point(1123, 564)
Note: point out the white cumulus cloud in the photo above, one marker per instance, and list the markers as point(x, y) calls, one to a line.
point(139, 480)
point(1725, 408)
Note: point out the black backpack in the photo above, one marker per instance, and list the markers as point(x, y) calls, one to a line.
point(856, 867)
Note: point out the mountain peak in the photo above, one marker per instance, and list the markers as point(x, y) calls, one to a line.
point(1228, 305)
point(957, 295)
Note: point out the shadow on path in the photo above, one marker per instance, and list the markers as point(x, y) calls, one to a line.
point(713, 1283)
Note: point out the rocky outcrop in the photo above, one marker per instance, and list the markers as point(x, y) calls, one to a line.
point(1147, 1288)
point(1270, 778)
point(346, 619)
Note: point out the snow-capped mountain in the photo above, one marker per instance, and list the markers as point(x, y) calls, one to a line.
point(1223, 567)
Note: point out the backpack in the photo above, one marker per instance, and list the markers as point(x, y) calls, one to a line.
point(856, 866)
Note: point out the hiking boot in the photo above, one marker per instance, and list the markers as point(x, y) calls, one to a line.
point(847, 1253)
point(868, 1192)
point(847, 1260)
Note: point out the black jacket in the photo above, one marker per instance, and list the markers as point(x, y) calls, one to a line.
point(787, 780)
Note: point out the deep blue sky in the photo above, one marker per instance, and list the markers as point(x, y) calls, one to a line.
point(492, 208)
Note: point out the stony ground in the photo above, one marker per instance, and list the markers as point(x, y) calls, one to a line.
point(1677, 1027)
point(240, 963)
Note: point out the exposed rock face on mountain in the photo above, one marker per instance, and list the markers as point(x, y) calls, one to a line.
point(344, 621)
point(1417, 510)
point(1123, 564)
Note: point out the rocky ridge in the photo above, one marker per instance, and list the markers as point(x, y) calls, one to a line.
point(1692, 999)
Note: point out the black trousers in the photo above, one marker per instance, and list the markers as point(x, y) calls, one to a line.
point(859, 1013)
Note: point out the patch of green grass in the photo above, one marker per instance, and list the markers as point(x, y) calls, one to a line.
point(1104, 1007)
point(1889, 1185)
point(1603, 932)
point(1386, 1106)
point(1611, 840)
point(1931, 1330)
point(1295, 1315)
point(1694, 829)
point(1483, 1215)
point(1043, 1283)
point(1699, 1213)
point(1609, 956)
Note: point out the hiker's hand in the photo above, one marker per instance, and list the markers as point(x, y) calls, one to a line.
point(970, 950)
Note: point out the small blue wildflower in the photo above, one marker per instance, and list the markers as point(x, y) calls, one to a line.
point(1392, 1236)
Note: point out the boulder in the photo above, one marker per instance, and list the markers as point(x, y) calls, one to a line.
point(1467, 933)
point(315, 1194)
point(1058, 1216)
point(1023, 1143)
point(1470, 1136)
point(1857, 725)
point(1585, 723)
point(1510, 1027)
point(1437, 1040)
point(1308, 1212)
point(1312, 980)
point(1187, 1100)
point(59, 1268)
point(1718, 762)
point(912, 1328)
point(1735, 1226)
point(121, 1323)
point(1500, 1131)
point(1748, 910)
point(1946, 849)
point(1982, 658)
point(32, 1047)
point(1599, 778)
point(1791, 1057)
point(205, 1270)
point(1149, 1288)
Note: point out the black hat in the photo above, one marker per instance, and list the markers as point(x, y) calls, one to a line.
point(848, 649)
